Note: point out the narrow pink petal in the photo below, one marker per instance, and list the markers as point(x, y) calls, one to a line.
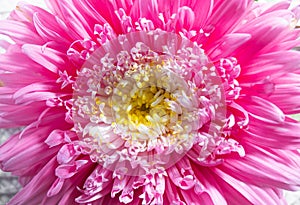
point(67, 153)
point(14, 115)
point(266, 166)
point(284, 135)
point(56, 187)
point(227, 45)
point(24, 12)
point(225, 16)
point(264, 31)
point(288, 88)
point(231, 192)
point(185, 18)
point(55, 138)
point(191, 197)
point(20, 32)
point(4, 44)
point(263, 109)
point(275, 6)
point(72, 17)
point(37, 92)
point(119, 185)
point(210, 186)
point(9, 64)
point(17, 152)
point(150, 12)
point(126, 196)
point(68, 197)
point(172, 193)
point(51, 28)
point(255, 194)
point(273, 65)
point(43, 180)
point(65, 191)
point(105, 193)
point(47, 57)
point(202, 11)
point(9, 80)
point(91, 15)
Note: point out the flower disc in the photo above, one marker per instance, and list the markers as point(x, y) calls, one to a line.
point(144, 99)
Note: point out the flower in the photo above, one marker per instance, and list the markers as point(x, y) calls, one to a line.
point(151, 102)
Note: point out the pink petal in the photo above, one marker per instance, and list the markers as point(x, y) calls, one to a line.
point(225, 16)
point(227, 45)
point(37, 92)
point(51, 28)
point(67, 153)
point(43, 180)
point(47, 57)
point(267, 166)
point(20, 32)
point(185, 18)
point(256, 195)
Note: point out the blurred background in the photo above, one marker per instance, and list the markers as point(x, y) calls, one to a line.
point(8, 184)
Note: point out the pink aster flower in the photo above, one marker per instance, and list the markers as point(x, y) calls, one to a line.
point(151, 102)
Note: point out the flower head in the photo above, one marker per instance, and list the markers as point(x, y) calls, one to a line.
point(151, 102)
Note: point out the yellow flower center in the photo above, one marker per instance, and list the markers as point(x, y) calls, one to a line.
point(145, 103)
point(144, 107)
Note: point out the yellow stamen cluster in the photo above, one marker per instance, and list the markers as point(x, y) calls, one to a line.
point(146, 106)
point(142, 103)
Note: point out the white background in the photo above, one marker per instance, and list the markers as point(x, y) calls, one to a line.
point(8, 5)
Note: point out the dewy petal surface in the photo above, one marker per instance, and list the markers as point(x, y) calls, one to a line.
point(151, 102)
